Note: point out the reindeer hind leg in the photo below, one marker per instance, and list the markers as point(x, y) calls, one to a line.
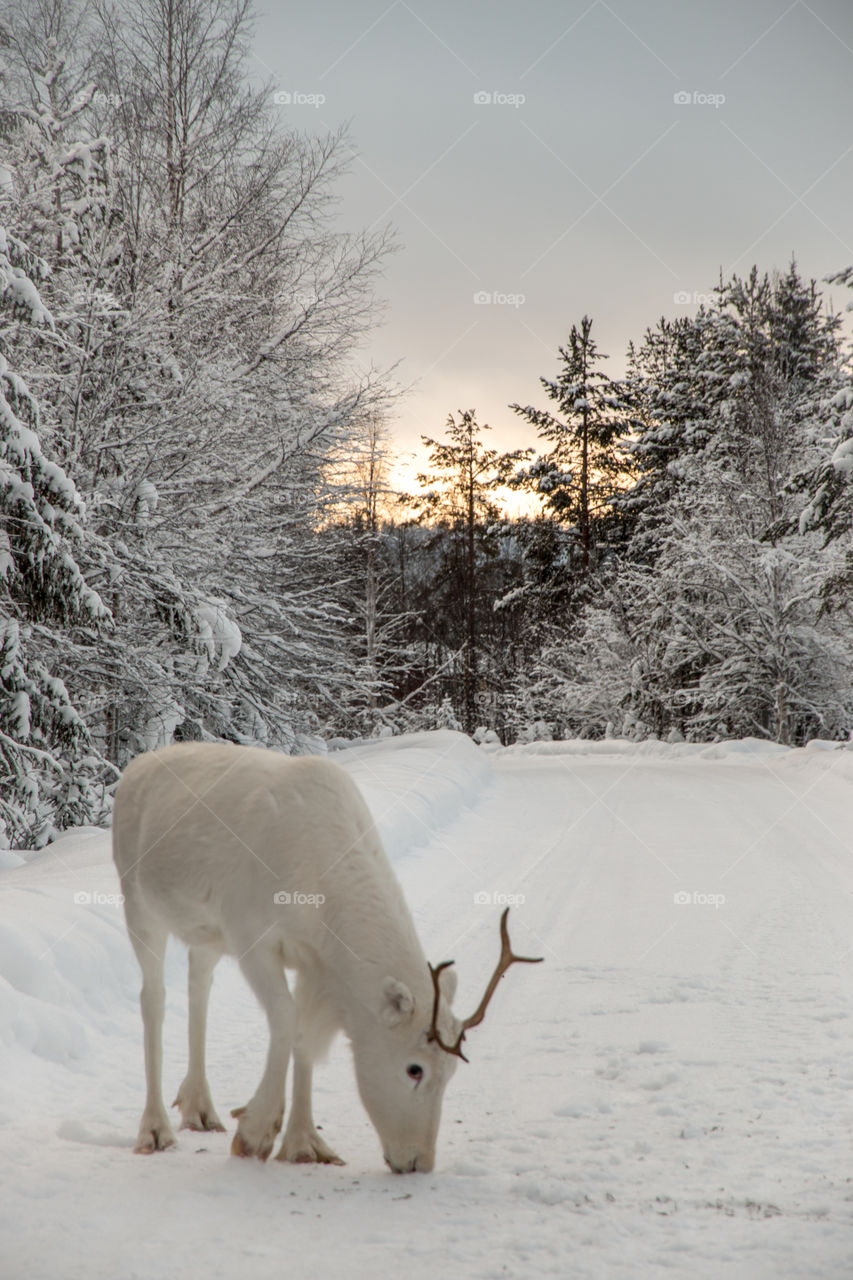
point(260, 1119)
point(148, 936)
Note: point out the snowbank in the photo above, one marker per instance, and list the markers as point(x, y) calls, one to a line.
point(418, 783)
point(819, 754)
point(739, 750)
point(65, 961)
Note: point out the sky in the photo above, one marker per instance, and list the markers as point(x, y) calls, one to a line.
point(547, 160)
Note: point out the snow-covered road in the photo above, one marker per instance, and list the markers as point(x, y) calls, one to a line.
point(669, 1094)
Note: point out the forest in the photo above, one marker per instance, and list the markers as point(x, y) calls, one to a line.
point(199, 535)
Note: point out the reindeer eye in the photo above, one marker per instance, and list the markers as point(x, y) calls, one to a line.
point(415, 1072)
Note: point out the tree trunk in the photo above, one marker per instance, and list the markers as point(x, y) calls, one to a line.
point(471, 636)
point(584, 500)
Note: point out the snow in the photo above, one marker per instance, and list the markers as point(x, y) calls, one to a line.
point(669, 1094)
point(842, 458)
point(218, 634)
point(159, 727)
point(82, 155)
point(23, 444)
point(7, 561)
point(20, 713)
point(147, 499)
point(22, 293)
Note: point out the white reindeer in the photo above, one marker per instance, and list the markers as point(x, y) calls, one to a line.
point(276, 861)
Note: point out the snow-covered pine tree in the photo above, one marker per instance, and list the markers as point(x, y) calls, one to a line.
point(827, 481)
point(50, 776)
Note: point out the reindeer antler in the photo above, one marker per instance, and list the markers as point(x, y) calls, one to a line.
point(506, 959)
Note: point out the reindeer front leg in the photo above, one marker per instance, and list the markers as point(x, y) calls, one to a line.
point(260, 1120)
point(316, 1026)
point(302, 1143)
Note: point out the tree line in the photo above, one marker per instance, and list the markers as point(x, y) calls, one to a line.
point(688, 573)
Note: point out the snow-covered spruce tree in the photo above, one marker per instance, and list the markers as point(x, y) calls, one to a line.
point(827, 482)
point(726, 616)
point(667, 399)
point(584, 468)
point(445, 717)
point(579, 480)
point(50, 777)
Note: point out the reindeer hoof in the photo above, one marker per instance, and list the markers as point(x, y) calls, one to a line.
point(197, 1110)
point(307, 1149)
point(204, 1124)
point(201, 1119)
point(239, 1147)
point(154, 1140)
point(254, 1137)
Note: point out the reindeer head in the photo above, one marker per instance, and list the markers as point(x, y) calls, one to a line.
point(402, 1072)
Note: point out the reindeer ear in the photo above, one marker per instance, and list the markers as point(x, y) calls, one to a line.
point(447, 979)
point(398, 1003)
